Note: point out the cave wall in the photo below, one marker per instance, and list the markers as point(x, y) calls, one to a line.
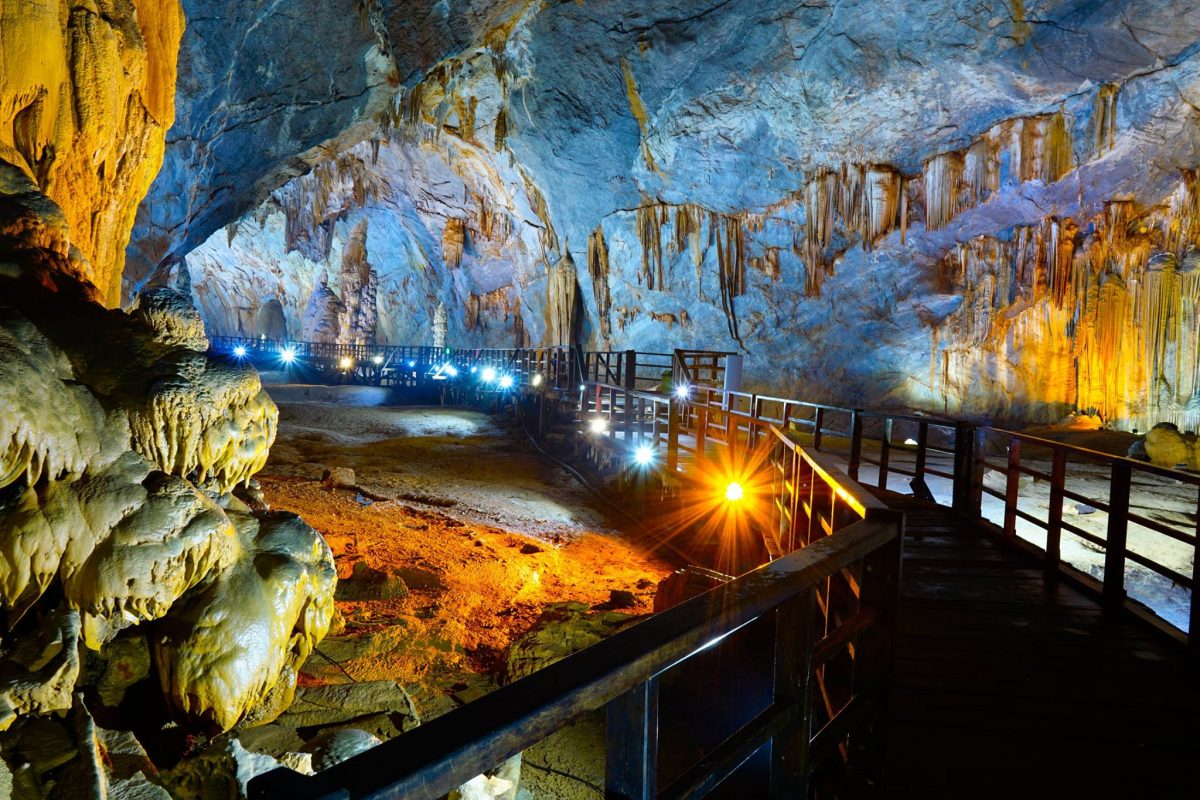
point(87, 93)
point(983, 208)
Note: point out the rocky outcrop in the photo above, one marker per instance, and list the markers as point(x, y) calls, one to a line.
point(87, 93)
point(119, 444)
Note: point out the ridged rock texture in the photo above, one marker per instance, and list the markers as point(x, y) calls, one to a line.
point(87, 93)
point(120, 442)
point(978, 208)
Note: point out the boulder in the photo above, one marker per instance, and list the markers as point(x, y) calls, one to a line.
point(338, 478)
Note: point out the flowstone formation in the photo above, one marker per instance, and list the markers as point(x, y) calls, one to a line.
point(121, 445)
point(87, 93)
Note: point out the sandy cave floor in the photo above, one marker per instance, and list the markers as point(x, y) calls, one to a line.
point(484, 531)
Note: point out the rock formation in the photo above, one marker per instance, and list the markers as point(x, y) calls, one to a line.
point(120, 443)
point(87, 93)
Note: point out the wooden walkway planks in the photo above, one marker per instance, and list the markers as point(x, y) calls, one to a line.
point(1007, 684)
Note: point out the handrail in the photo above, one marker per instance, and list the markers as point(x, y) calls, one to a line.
point(953, 452)
point(437, 757)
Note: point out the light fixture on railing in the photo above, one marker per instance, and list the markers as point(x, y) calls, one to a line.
point(346, 363)
point(644, 455)
point(288, 354)
point(682, 391)
point(239, 351)
point(377, 360)
point(506, 381)
point(536, 380)
point(489, 375)
point(734, 492)
point(450, 370)
point(598, 425)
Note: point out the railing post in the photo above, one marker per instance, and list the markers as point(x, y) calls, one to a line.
point(964, 466)
point(1115, 541)
point(794, 634)
point(856, 434)
point(818, 427)
point(673, 405)
point(874, 650)
point(631, 747)
point(1058, 475)
point(922, 450)
point(885, 449)
point(1012, 487)
point(1194, 625)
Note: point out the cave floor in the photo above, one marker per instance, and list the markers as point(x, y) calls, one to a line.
point(484, 532)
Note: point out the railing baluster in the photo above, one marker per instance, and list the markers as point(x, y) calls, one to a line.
point(856, 435)
point(1058, 476)
point(1012, 487)
point(1118, 530)
point(885, 448)
point(922, 451)
point(794, 637)
point(631, 748)
point(818, 427)
point(1194, 626)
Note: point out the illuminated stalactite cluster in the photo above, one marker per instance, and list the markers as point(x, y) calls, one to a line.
point(311, 203)
point(868, 201)
point(562, 302)
point(1021, 149)
point(1105, 323)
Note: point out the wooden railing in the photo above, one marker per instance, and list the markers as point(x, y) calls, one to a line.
point(831, 606)
point(946, 461)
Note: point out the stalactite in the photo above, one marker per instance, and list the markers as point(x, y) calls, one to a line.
point(336, 183)
point(454, 242)
point(687, 228)
point(597, 262)
point(1046, 148)
point(1103, 317)
point(537, 201)
point(731, 266)
point(651, 217)
point(1104, 118)
point(943, 189)
point(562, 302)
point(1034, 148)
point(880, 203)
point(820, 202)
point(500, 139)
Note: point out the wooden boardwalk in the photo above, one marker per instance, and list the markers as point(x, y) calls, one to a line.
point(1009, 684)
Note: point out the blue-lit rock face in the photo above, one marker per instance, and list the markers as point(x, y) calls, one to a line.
point(984, 208)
